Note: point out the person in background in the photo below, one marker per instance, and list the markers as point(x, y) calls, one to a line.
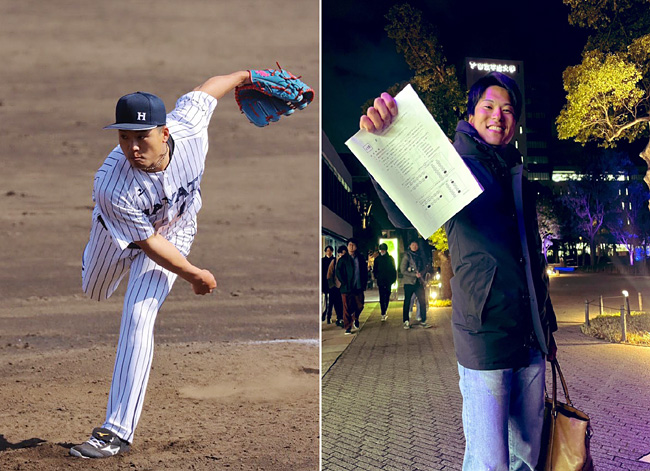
point(385, 274)
point(335, 286)
point(413, 268)
point(325, 264)
point(352, 272)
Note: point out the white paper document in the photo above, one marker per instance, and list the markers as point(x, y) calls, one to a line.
point(416, 165)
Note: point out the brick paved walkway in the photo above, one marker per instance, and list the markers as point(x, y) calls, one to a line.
point(391, 400)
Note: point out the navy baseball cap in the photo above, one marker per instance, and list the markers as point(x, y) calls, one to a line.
point(139, 111)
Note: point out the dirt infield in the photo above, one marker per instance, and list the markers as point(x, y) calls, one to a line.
point(234, 383)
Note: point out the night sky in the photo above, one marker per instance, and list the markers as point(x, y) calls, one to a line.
point(360, 61)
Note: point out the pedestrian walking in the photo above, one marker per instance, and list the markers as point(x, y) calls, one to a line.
point(385, 274)
point(413, 268)
point(325, 289)
point(352, 272)
point(502, 316)
point(335, 286)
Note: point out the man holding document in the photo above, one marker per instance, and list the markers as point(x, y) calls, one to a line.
point(502, 316)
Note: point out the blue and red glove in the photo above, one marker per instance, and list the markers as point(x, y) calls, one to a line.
point(272, 94)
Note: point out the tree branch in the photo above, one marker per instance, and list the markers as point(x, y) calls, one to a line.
point(620, 130)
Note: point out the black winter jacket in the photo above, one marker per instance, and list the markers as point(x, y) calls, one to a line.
point(384, 270)
point(345, 272)
point(492, 318)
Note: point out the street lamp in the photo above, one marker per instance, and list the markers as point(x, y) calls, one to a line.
point(623, 319)
point(627, 301)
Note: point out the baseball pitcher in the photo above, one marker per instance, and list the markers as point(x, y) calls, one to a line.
point(147, 196)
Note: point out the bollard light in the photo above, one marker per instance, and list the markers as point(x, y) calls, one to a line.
point(627, 301)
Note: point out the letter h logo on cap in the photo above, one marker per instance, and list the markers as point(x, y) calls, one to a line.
point(139, 111)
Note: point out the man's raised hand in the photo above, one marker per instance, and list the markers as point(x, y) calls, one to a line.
point(381, 115)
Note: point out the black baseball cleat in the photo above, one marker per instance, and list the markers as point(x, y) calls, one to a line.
point(102, 444)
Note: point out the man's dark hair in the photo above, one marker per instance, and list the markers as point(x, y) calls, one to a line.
point(342, 249)
point(354, 241)
point(329, 247)
point(500, 80)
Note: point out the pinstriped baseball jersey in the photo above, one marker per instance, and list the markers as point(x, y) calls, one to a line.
point(134, 204)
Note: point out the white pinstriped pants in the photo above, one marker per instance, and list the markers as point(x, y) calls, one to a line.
point(104, 266)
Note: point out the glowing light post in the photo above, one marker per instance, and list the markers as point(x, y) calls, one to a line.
point(627, 302)
point(434, 292)
point(623, 319)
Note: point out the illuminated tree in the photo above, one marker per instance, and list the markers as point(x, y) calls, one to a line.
point(625, 234)
point(363, 205)
point(548, 222)
point(437, 86)
point(608, 94)
point(594, 196)
point(441, 243)
point(614, 22)
point(434, 80)
point(629, 224)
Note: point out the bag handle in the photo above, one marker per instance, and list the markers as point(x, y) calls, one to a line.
point(557, 371)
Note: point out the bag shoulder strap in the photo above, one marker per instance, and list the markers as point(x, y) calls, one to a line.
point(557, 371)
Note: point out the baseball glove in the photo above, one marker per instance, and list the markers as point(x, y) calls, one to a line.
point(272, 94)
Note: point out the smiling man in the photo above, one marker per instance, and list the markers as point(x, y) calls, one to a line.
point(494, 117)
point(502, 317)
point(147, 196)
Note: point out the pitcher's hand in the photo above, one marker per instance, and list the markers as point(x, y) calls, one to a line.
point(205, 283)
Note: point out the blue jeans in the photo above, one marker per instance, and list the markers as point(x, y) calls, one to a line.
point(503, 414)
